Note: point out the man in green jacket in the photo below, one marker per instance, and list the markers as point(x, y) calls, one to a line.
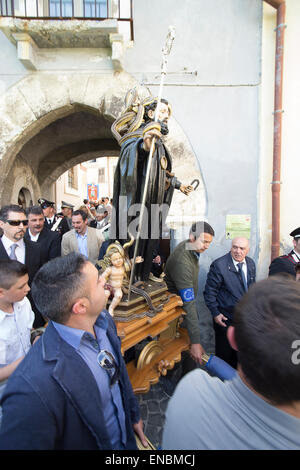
point(182, 270)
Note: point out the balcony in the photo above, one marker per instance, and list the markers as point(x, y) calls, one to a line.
point(51, 24)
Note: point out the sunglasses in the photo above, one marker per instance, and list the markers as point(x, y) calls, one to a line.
point(15, 223)
point(107, 361)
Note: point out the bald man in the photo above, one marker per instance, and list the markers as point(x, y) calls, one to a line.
point(228, 279)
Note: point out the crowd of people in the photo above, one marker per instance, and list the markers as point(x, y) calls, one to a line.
point(63, 380)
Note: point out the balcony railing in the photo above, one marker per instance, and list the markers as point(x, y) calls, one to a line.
point(121, 10)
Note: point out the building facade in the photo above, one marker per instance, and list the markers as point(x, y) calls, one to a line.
point(63, 82)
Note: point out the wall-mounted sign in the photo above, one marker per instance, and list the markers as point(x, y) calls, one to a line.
point(238, 225)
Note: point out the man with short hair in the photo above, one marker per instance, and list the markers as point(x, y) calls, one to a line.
point(83, 239)
point(72, 390)
point(228, 279)
point(48, 241)
point(287, 263)
point(14, 222)
point(13, 245)
point(259, 409)
point(181, 276)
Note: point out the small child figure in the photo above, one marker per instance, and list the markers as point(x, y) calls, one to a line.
point(114, 276)
point(118, 266)
point(16, 318)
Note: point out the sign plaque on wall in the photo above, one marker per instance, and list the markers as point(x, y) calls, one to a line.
point(238, 225)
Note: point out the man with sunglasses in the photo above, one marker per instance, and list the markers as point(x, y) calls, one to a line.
point(72, 391)
point(14, 223)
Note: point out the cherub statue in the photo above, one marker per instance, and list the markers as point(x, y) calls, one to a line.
point(116, 267)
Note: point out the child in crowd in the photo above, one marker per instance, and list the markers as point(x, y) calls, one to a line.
point(16, 318)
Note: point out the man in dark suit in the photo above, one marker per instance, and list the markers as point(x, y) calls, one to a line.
point(287, 263)
point(13, 222)
point(228, 279)
point(48, 241)
point(72, 390)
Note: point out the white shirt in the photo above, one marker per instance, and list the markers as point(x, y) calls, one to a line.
point(244, 267)
point(15, 332)
point(20, 250)
point(51, 220)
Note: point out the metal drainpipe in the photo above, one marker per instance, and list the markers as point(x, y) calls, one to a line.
point(281, 8)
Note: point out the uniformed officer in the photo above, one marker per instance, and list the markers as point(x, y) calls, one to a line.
point(287, 263)
point(181, 276)
point(66, 223)
point(49, 212)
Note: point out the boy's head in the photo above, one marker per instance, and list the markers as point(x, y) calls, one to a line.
point(13, 281)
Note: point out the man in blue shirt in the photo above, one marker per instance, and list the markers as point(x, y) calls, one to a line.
point(73, 390)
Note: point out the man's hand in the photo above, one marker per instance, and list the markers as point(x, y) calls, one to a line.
point(196, 352)
point(138, 429)
point(220, 319)
point(186, 189)
point(149, 135)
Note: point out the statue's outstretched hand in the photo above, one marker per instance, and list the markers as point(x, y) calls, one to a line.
point(186, 189)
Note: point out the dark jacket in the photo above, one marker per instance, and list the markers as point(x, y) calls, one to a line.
point(49, 243)
point(33, 257)
point(52, 400)
point(224, 285)
point(283, 264)
point(182, 270)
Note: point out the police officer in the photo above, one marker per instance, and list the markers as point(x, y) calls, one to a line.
point(66, 212)
point(49, 213)
point(181, 276)
point(287, 263)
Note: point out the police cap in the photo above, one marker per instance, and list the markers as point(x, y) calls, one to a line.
point(44, 203)
point(66, 204)
point(295, 233)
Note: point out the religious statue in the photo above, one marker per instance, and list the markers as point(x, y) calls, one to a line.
point(134, 131)
point(116, 267)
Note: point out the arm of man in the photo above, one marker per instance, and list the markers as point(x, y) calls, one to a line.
point(55, 246)
point(131, 399)
point(213, 284)
point(6, 371)
point(65, 245)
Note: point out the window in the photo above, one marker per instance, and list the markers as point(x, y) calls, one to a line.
point(95, 8)
point(72, 179)
point(60, 8)
point(101, 175)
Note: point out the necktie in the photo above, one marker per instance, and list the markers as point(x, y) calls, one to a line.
point(13, 251)
point(240, 266)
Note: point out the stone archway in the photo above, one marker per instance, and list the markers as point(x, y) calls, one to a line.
point(51, 121)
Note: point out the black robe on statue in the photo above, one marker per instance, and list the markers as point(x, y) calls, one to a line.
point(129, 182)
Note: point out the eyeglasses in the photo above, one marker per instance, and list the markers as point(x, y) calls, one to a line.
point(15, 223)
point(107, 361)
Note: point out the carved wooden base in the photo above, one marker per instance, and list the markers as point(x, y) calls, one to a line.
point(137, 306)
point(160, 354)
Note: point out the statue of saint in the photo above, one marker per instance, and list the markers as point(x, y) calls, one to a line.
point(134, 131)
